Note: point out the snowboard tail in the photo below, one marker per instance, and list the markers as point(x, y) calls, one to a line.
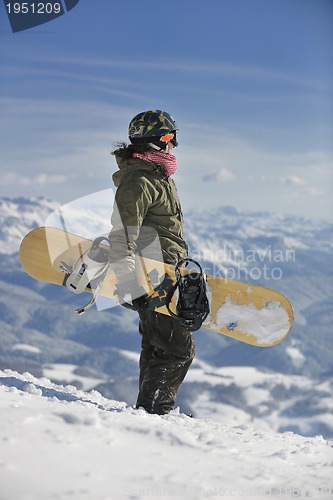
point(252, 314)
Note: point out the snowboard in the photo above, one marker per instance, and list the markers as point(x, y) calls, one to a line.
point(249, 313)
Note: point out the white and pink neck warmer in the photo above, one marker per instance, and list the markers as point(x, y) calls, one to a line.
point(167, 160)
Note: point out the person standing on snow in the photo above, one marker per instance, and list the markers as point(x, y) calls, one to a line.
point(147, 199)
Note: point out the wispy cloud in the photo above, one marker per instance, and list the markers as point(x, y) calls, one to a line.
point(301, 186)
point(222, 175)
point(10, 179)
point(243, 71)
point(293, 180)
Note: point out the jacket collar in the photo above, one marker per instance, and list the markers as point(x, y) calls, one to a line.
point(131, 165)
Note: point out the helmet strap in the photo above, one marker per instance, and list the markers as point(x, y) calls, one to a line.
point(154, 146)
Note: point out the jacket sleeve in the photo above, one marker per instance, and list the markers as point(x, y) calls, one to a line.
point(131, 203)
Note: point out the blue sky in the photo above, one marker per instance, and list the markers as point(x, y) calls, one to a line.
point(249, 83)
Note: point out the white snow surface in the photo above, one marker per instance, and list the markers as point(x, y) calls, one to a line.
point(266, 325)
point(58, 442)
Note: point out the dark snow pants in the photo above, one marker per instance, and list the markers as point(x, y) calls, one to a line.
point(167, 353)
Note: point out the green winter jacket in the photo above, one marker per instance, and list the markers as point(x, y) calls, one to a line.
point(147, 217)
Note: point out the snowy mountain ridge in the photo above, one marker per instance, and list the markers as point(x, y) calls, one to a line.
point(96, 448)
point(19, 215)
point(261, 229)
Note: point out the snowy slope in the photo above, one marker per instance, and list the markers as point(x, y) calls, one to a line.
point(58, 442)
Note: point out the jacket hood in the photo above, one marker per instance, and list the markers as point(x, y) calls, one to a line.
point(129, 166)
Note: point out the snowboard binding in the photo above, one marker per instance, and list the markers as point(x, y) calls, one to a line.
point(192, 304)
point(91, 266)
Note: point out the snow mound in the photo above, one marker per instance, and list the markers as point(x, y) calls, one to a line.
point(59, 442)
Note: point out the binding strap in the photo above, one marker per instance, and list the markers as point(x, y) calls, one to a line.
point(192, 305)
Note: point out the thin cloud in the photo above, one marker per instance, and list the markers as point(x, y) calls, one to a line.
point(219, 68)
point(9, 179)
point(301, 186)
point(223, 175)
point(293, 180)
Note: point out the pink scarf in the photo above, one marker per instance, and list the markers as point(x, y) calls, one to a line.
point(167, 160)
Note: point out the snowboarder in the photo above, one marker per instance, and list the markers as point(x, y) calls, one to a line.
point(146, 197)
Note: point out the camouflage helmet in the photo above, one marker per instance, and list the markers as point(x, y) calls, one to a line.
point(153, 127)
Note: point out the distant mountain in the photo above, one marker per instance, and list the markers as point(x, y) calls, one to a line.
point(20, 215)
point(40, 333)
point(290, 254)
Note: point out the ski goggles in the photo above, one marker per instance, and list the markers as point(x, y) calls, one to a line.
point(170, 137)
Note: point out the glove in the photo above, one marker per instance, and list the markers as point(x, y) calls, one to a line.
point(130, 294)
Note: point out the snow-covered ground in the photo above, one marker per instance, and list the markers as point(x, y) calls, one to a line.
point(233, 395)
point(61, 443)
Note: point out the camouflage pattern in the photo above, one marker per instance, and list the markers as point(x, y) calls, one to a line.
point(153, 123)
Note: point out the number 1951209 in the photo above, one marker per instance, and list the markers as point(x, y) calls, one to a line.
point(33, 8)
